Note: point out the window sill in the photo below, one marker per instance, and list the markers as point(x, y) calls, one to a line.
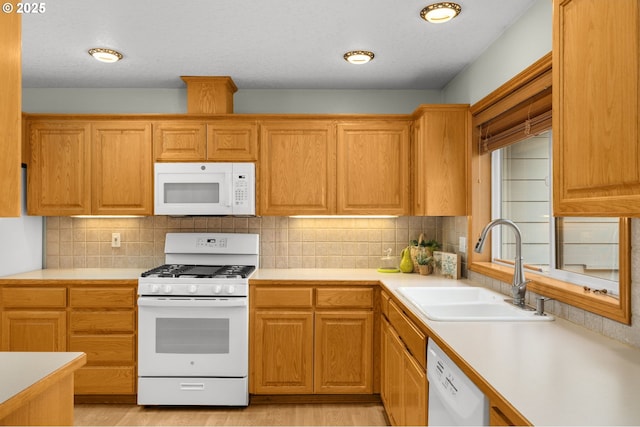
point(568, 293)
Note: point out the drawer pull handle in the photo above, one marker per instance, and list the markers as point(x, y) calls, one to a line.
point(192, 386)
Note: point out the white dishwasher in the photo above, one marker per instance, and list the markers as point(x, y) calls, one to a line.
point(453, 399)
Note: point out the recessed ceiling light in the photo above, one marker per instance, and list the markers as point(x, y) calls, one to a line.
point(358, 56)
point(105, 55)
point(438, 13)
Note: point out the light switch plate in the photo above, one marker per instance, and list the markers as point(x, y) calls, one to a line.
point(462, 244)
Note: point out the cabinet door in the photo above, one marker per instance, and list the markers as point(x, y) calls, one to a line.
point(439, 160)
point(179, 141)
point(373, 168)
point(344, 352)
point(282, 352)
point(232, 141)
point(10, 115)
point(414, 392)
point(34, 331)
point(59, 175)
point(297, 168)
point(393, 376)
point(596, 113)
point(122, 168)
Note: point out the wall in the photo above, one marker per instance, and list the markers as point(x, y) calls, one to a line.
point(284, 242)
point(174, 101)
point(21, 247)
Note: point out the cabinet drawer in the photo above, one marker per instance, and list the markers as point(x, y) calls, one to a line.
point(415, 340)
point(102, 297)
point(105, 380)
point(283, 297)
point(340, 297)
point(34, 297)
point(108, 321)
point(105, 348)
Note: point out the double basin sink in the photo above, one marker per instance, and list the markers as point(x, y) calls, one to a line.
point(467, 304)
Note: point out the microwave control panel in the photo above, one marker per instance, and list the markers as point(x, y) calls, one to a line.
point(241, 190)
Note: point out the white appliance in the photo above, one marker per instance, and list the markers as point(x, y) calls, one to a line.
point(454, 400)
point(193, 321)
point(204, 189)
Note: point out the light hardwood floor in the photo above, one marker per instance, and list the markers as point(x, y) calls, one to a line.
point(319, 414)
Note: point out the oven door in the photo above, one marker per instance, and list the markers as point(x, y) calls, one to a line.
point(193, 337)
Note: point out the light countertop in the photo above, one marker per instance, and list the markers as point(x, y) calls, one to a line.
point(21, 370)
point(79, 274)
point(554, 373)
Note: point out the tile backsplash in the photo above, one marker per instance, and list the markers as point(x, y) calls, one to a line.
point(285, 242)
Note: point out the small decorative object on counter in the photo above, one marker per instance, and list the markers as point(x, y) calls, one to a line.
point(406, 263)
point(388, 263)
point(448, 264)
point(425, 263)
point(420, 245)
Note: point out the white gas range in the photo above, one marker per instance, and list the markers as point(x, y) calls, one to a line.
point(193, 321)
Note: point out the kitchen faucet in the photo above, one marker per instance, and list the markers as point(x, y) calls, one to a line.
point(519, 284)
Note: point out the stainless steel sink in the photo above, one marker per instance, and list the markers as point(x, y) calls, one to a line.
point(467, 304)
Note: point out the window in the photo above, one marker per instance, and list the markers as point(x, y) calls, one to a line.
point(573, 253)
point(582, 250)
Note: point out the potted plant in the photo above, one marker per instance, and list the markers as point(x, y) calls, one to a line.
point(432, 246)
point(425, 263)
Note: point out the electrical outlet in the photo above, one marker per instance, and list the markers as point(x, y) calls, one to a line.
point(115, 240)
point(462, 244)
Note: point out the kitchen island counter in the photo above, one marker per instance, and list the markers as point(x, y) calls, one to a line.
point(36, 388)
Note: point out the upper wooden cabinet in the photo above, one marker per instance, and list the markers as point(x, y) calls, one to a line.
point(323, 167)
point(59, 169)
point(179, 141)
point(83, 167)
point(596, 109)
point(10, 111)
point(121, 169)
point(232, 140)
point(441, 135)
point(373, 168)
point(297, 167)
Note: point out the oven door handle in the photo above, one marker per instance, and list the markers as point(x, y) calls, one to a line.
point(192, 302)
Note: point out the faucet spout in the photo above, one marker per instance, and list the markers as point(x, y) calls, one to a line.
point(519, 284)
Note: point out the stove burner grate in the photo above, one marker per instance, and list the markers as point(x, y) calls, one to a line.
point(200, 271)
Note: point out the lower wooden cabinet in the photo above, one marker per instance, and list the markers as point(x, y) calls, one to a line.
point(34, 331)
point(343, 352)
point(33, 319)
point(97, 319)
point(282, 352)
point(312, 340)
point(501, 415)
point(102, 323)
point(404, 385)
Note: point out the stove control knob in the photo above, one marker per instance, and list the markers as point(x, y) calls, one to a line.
point(193, 289)
point(167, 289)
point(155, 289)
point(230, 289)
point(217, 289)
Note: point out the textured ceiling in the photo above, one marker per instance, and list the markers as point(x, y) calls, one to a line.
point(261, 44)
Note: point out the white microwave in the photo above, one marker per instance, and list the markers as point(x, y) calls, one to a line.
point(204, 189)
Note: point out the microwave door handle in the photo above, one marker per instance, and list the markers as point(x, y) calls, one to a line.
point(229, 179)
